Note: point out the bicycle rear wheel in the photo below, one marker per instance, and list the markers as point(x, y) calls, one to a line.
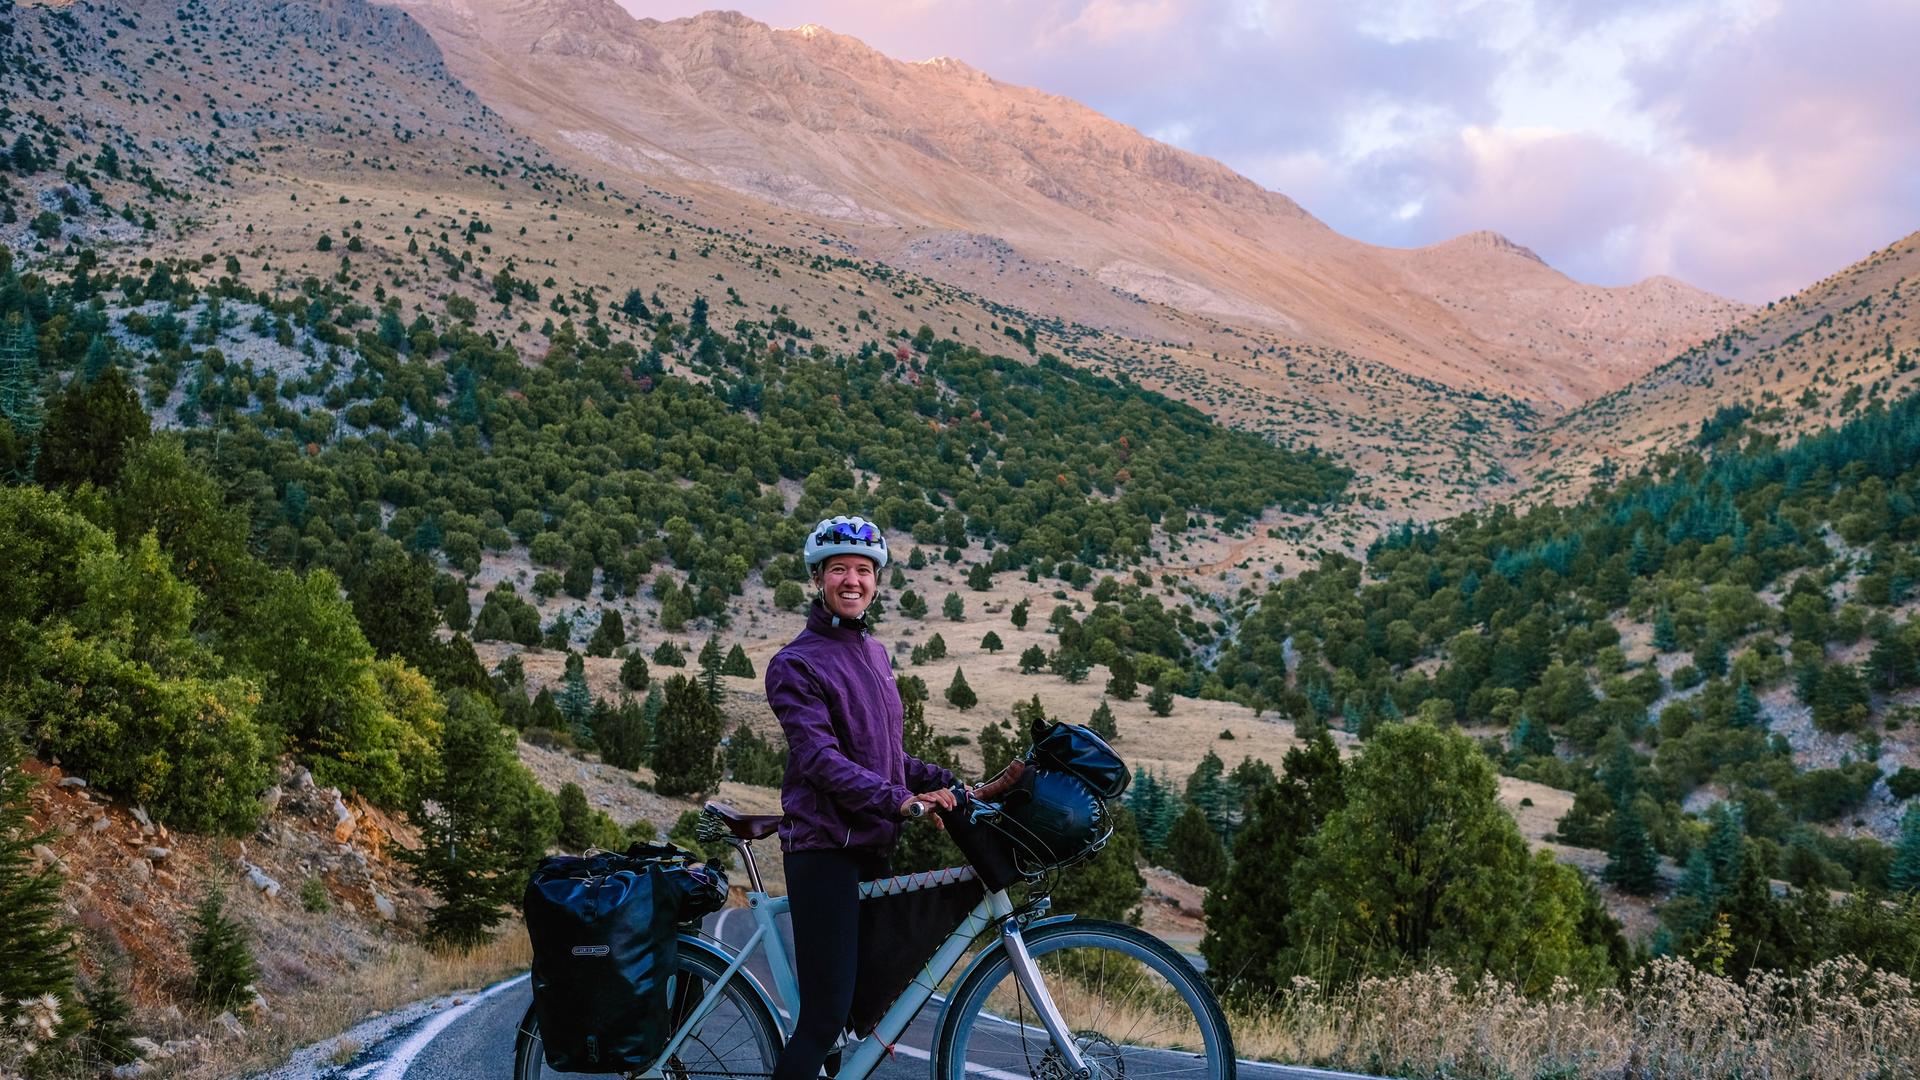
point(1136, 1009)
point(738, 1039)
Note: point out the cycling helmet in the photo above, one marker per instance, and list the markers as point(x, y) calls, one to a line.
point(843, 535)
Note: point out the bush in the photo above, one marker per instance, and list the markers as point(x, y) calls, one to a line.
point(1905, 783)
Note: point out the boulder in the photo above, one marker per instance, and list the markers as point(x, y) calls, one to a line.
point(230, 1025)
point(261, 880)
point(344, 821)
point(385, 907)
point(136, 1067)
point(72, 782)
point(140, 815)
point(140, 870)
point(157, 853)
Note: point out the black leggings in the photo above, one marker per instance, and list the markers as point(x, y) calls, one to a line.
point(823, 890)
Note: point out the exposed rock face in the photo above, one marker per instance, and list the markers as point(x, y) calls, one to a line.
point(890, 153)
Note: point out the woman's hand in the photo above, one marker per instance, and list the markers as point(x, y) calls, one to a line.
point(940, 799)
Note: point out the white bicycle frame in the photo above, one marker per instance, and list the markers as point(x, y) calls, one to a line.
point(858, 1060)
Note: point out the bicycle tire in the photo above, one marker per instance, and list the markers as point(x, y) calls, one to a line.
point(1098, 974)
point(744, 1046)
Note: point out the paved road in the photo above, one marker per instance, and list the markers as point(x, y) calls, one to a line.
point(474, 1040)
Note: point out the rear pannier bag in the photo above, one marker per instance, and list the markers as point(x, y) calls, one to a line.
point(1075, 750)
point(605, 942)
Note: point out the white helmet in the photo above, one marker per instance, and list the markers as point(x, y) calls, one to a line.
point(843, 535)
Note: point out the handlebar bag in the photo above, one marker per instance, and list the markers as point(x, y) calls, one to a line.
point(1075, 750)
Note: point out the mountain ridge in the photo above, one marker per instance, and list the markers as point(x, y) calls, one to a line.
point(877, 150)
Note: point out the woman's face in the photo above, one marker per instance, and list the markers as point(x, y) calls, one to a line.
point(848, 584)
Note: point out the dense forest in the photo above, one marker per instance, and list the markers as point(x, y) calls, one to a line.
point(1737, 621)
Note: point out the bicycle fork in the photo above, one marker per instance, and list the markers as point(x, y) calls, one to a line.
point(1035, 986)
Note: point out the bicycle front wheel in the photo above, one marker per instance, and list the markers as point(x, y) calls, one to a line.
point(738, 1040)
point(1136, 1009)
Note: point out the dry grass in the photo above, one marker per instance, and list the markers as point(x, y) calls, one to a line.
point(406, 973)
point(1838, 1020)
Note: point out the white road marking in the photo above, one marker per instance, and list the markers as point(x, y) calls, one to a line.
point(395, 1067)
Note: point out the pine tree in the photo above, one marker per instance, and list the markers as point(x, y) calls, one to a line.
point(1193, 848)
point(979, 578)
point(954, 608)
point(609, 635)
point(1033, 660)
point(633, 672)
point(1904, 875)
point(711, 658)
point(667, 654)
point(737, 665)
point(1632, 864)
point(1121, 678)
point(622, 737)
point(685, 755)
point(483, 824)
point(1160, 698)
point(575, 699)
point(223, 964)
point(1246, 937)
point(1101, 723)
point(753, 760)
point(108, 1038)
point(36, 953)
point(1665, 637)
point(89, 430)
point(912, 605)
point(20, 390)
point(996, 750)
point(959, 694)
point(1019, 614)
point(1746, 706)
point(575, 816)
point(991, 642)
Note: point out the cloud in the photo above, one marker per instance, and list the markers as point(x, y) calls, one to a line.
point(1747, 146)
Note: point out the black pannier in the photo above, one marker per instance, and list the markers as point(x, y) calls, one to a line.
point(1054, 816)
point(604, 928)
point(1075, 750)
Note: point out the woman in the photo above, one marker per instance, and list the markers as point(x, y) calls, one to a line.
point(849, 784)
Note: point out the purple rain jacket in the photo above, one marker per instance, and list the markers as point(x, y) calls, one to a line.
point(847, 774)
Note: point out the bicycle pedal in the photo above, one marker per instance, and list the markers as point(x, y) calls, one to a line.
point(832, 1064)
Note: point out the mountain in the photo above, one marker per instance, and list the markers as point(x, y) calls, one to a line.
point(1808, 362)
point(1034, 199)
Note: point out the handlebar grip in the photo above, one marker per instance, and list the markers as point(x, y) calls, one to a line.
point(916, 810)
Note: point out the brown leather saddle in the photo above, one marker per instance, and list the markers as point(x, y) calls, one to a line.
point(745, 826)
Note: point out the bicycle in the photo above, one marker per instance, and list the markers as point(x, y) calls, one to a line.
point(1109, 1000)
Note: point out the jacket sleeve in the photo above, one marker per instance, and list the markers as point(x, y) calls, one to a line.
point(814, 751)
point(922, 776)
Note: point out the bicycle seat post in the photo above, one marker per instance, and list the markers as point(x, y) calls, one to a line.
point(712, 828)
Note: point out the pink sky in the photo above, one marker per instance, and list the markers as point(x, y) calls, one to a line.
point(1747, 146)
